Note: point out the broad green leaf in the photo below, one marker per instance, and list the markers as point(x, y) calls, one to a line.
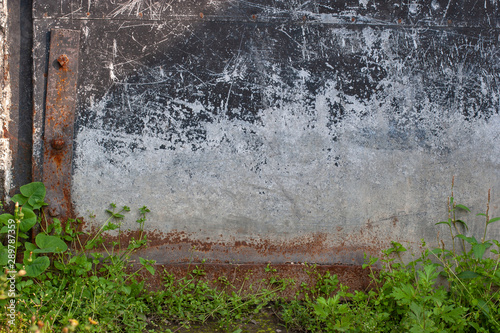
point(35, 192)
point(437, 251)
point(479, 249)
point(147, 265)
point(476, 326)
point(463, 207)
point(470, 240)
point(23, 284)
point(150, 269)
point(28, 221)
point(38, 266)
point(90, 245)
point(59, 266)
point(4, 218)
point(82, 261)
point(29, 246)
point(4, 230)
point(417, 309)
point(480, 214)
point(3, 256)
point(468, 275)
point(49, 244)
point(20, 199)
point(494, 220)
point(126, 289)
point(484, 306)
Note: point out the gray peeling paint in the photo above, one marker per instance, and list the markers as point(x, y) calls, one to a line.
point(297, 121)
point(5, 95)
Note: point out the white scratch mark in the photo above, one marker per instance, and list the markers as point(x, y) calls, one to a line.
point(446, 10)
point(86, 31)
point(413, 8)
point(286, 34)
point(115, 48)
point(234, 71)
point(111, 68)
point(364, 3)
point(304, 75)
point(305, 54)
point(154, 9)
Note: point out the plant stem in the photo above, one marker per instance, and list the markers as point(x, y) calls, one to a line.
point(487, 216)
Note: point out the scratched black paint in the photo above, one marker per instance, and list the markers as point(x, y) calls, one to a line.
point(176, 71)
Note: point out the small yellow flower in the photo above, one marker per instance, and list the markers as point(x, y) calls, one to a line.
point(22, 272)
point(92, 321)
point(73, 322)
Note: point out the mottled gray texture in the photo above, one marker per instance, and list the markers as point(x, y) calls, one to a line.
point(5, 95)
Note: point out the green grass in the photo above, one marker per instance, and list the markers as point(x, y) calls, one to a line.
point(70, 281)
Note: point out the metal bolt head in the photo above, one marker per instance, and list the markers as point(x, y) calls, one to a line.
point(63, 60)
point(58, 144)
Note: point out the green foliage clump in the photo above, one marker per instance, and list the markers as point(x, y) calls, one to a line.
point(89, 285)
point(192, 299)
point(440, 291)
point(71, 281)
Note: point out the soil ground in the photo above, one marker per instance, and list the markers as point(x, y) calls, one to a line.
point(264, 322)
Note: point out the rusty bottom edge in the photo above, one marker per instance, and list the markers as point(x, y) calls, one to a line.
point(244, 275)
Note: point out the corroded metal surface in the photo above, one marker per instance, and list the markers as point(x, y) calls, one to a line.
point(275, 130)
point(315, 248)
point(59, 121)
point(240, 276)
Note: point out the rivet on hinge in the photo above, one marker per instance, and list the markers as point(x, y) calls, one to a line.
point(58, 144)
point(63, 60)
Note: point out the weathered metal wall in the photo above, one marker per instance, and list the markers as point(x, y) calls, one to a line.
point(16, 125)
point(279, 130)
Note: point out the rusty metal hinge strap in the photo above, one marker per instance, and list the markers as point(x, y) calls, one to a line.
point(59, 121)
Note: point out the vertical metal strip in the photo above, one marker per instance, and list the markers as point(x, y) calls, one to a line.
point(59, 121)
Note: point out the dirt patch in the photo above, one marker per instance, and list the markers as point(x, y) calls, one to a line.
point(263, 322)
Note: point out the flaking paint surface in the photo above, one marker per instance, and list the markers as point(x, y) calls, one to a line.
point(285, 122)
point(7, 142)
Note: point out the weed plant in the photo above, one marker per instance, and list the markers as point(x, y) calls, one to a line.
point(191, 299)
point(406, 297)
point(88, 286)
point(71, 281)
